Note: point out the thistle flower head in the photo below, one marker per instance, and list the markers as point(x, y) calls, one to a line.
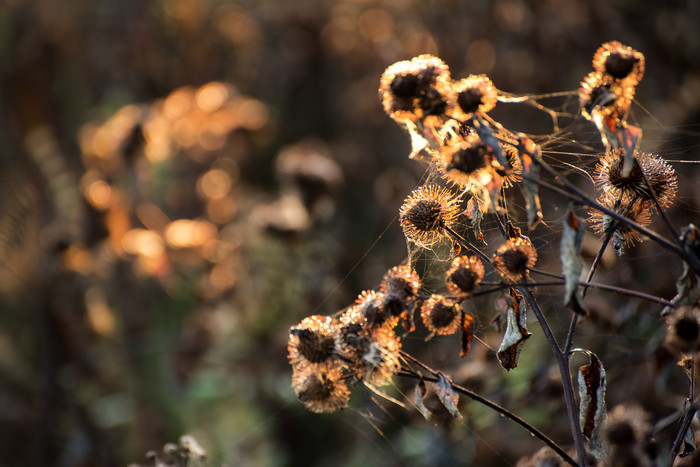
point(415, 89)
point(371, 305)
point(398, 286)
point(464, 276)
point(475, 93)
point(635, 209)
point(514, 258)
point(312, 343)
point(600, 93)
point(619, 61)
point(467, 161)
point(402, 281)
point(647, 168)
point(625, 428)
point(426, 212)
point(324, 391)
point(683, 329)
point(372, 353)
point(441, 315)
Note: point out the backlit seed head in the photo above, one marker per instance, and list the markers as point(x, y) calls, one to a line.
point(426, 212)
point(379, 355)
point(464, 276)
point(371, 305)
point(401, 281)
point(683, 329)
point(514, 258)
point(324, 391)
point(626, 425)
point(600, 93)
point(415, 89)
point(312, 343)
point(619, 61)
point(467, 161)
point(638, 210)
point(660, 175)
point(475, 93)
point(441, 315)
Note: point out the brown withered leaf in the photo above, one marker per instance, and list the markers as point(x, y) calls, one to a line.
point(529, 152)
point(570, 255)
point(475, 216)
point(688, 284)
point(628, 137)
point(688, 444)
point(421, 390)
point(516, 333)
point(591, 386)
point(447, 395)
point(467, 332)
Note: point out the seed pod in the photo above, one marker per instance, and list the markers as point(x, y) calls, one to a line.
point(619, 61)
point(441, 315)
point(417, 89)
point(683, 329)
point(661, 177)
point(464, 276)
point(475, 93)
point(321, 392)
point(402, 281)
point(425, 214)
point(312, 343)
point(514, 258)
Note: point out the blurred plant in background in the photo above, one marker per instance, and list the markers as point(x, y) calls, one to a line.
point(182, 181)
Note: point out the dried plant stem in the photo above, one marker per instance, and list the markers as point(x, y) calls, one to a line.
point(562, 359)
point(492, 405)
point(581, 198)
point(688, 415)
point(565, 372)
point(591, 272)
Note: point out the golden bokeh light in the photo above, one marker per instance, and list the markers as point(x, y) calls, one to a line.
point(211, 97)
point(214, 184)
point(189, 233)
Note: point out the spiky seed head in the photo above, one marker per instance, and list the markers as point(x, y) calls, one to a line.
point(467, 161)
point(312, 343)
point(401, 281)
point(441, 315)
point(324, 391)
point(661, 176)
point(514, 258)
point(619, 61)
point(464, 276)
point(638, 210)
point(415, 89)
point(625, 425)
point(371, 305)
point(426, 212)
point(683, 329)
point(600, 93)
point(475, 93)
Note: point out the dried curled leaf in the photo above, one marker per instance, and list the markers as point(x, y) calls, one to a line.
point(475, 214)
point(688, 446)
point(467, 332)
point(421, 390)
point(516, 332)
point(571, 261)
point(447, 395)
point(530, 153)
point(616, 133)
point(591, 385)
point(688, 284)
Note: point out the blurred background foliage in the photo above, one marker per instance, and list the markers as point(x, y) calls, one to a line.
point(182, 180)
